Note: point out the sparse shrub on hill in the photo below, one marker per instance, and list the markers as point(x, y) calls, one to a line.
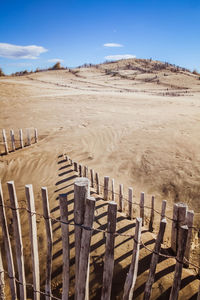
point(57, 66)
point(21, 73)
point(1, 72)
point(195, 72)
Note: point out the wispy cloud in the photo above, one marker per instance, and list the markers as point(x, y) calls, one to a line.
point(21, 52)
point(55, 60)
point(113, 45)
point(119, 56)
point(20, 64)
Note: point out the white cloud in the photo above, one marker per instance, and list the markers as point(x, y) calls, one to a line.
point(55, 60)
point(20, 52)
point(119, 56)
point(113, 45)
point(20, 64)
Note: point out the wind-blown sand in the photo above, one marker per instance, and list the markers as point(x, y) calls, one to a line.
point(140, 128)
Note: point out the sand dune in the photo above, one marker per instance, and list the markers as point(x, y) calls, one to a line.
point(141, 130)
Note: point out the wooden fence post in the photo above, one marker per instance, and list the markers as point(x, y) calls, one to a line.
point(49, 235)
point(154, 260)
point(81, 192)
point(130, 203)
point(121, 200)
point(163, 209)
point(21, 138)
point(152, 215)
point(189, 223)
point(92, 177)
point(106, 183)
point(142, 207)
point(75, 167)
point(2, 282)
point(97, 184)
point(85, 173)
point(18, 239)
point(179, 218)
point(199, 254)
point(28, 137)
point(7, 245)
point(33, 238)
point(174, 228)
point(83, 280)
point(36, 135)
point(109, 253)
point(182, 240)
point(12, 137)
point(198, 296)
point(65, 245)
point(80, 171)
point(113, 190)
point(132, 274)
point(5, 141)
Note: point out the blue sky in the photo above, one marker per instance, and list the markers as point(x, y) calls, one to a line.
point(76, 32)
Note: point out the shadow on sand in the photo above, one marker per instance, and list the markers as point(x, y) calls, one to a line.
point(123, 247)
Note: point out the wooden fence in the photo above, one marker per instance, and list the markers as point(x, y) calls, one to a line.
point(84, 209)
point(17, 141)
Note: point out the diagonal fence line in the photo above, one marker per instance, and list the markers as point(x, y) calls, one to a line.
point(134, 203)
point(96, 230)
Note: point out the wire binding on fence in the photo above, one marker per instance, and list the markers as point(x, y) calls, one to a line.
point(94, 230)
point(136, 203)
point(31, 285)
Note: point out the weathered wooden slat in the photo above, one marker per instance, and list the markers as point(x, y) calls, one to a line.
point(5, 141)
point(92, 177)
point(12, 138)
point(142, 207)
point(182, 240)
point(154, 260)
point(80, 171)
point(28, 137)
point(81, 192)
point(2, 282)
point(132, 274)
point(21, 138)
point(179, 219)
point(121, 199)
point(7, 245)
point(85, 172)
point(189, 223)
point(65, 245)
point(109, 253)
point(36, 135)
point(163, 209)
point(97, 184)
point(130, 203)
point(83, 279)
point(33, 239)
point(199, 255)
point(198, 296)
point(174, 230)
point(49, 235)
point(152, 215)
point(113, 190)
point(18, 239)
point(106, 184)
point(75, 166)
